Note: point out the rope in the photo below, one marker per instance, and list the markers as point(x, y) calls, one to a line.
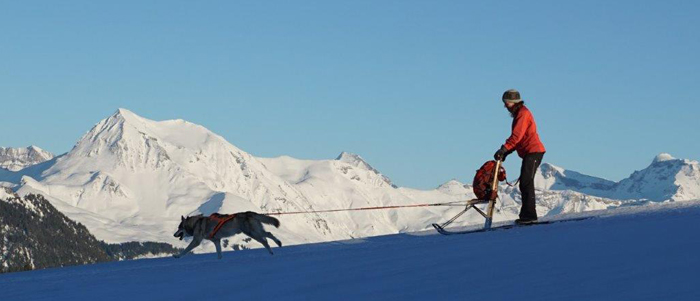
point(366, 208)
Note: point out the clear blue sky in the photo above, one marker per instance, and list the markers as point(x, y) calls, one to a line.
point(412, 86)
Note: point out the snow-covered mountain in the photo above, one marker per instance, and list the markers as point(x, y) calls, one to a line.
point(15, 159)
point(129, 173)
point(130, 178)
point(667, 178)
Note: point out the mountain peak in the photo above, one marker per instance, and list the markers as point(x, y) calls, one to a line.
point(450, 183)
point(663, 157)
point(124, 112)
point(551, 168)
point(349, 157)
point(122, 115)
point(357, 161)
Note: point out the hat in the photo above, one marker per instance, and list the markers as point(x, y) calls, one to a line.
point(512, 96)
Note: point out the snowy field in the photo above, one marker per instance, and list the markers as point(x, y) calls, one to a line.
point(636, 253)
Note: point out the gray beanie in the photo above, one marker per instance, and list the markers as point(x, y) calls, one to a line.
point(512, 96)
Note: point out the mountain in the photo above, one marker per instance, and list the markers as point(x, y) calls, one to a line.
point(667, 178)
point(130, 179)
point(129, 173)
point(15, 159)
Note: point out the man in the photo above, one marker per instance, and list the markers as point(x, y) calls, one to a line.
point(526, 142)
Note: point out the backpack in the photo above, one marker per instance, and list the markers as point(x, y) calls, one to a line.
point(484, 179)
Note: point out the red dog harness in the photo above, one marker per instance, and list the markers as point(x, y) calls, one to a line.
point(220, 219)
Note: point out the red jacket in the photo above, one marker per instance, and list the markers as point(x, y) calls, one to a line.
point(524, 138)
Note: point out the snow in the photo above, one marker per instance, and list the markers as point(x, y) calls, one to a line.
point(629, 253)
point(663, 157)
point(4, 194)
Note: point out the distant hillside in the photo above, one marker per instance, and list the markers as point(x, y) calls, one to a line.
point(34, 235)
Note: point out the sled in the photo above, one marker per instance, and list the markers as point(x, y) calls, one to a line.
point(488, 214)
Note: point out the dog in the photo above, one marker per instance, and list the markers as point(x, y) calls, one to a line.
point(218, 226)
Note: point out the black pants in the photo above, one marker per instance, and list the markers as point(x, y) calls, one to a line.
point(527, 184)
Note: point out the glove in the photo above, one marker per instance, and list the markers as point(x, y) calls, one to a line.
point(501, 154)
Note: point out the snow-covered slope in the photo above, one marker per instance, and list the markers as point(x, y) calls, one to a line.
point(15, 159)
point(632, 253)
point(131, 178)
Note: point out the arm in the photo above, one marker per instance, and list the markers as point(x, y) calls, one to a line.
point(522, 121)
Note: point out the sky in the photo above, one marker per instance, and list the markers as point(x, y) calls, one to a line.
point(414, 87)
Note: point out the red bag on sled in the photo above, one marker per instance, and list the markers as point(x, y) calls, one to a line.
point(484, 179)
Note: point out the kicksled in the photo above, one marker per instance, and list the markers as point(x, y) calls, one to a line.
point(488, 194)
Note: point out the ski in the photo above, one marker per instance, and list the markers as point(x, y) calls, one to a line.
point(444, 231)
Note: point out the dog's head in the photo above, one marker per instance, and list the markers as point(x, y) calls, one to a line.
point(182, 228)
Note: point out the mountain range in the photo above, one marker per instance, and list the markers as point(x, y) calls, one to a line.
point(130, 179)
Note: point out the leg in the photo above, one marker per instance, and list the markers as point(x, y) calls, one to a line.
point(277, 241)
point(194, 243)
point(263, 241)
point(217, 244)
point(258, 233)
point(527, 185)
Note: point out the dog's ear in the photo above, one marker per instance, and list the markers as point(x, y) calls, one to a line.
point(182, 218)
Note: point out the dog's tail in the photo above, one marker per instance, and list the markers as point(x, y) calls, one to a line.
point(267, 220)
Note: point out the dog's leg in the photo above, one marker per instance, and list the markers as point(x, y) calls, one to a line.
point(217, 243)
point(263, 241)
point(277, 241)
point(257, 232)
point(193, 244)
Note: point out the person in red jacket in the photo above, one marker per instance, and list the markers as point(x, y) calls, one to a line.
point(525, 140)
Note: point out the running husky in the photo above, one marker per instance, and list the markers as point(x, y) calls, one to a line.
point(218, 226)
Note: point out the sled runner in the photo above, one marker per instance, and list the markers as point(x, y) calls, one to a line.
point(444, 231)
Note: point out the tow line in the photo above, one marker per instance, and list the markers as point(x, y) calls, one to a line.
point(454, 203)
